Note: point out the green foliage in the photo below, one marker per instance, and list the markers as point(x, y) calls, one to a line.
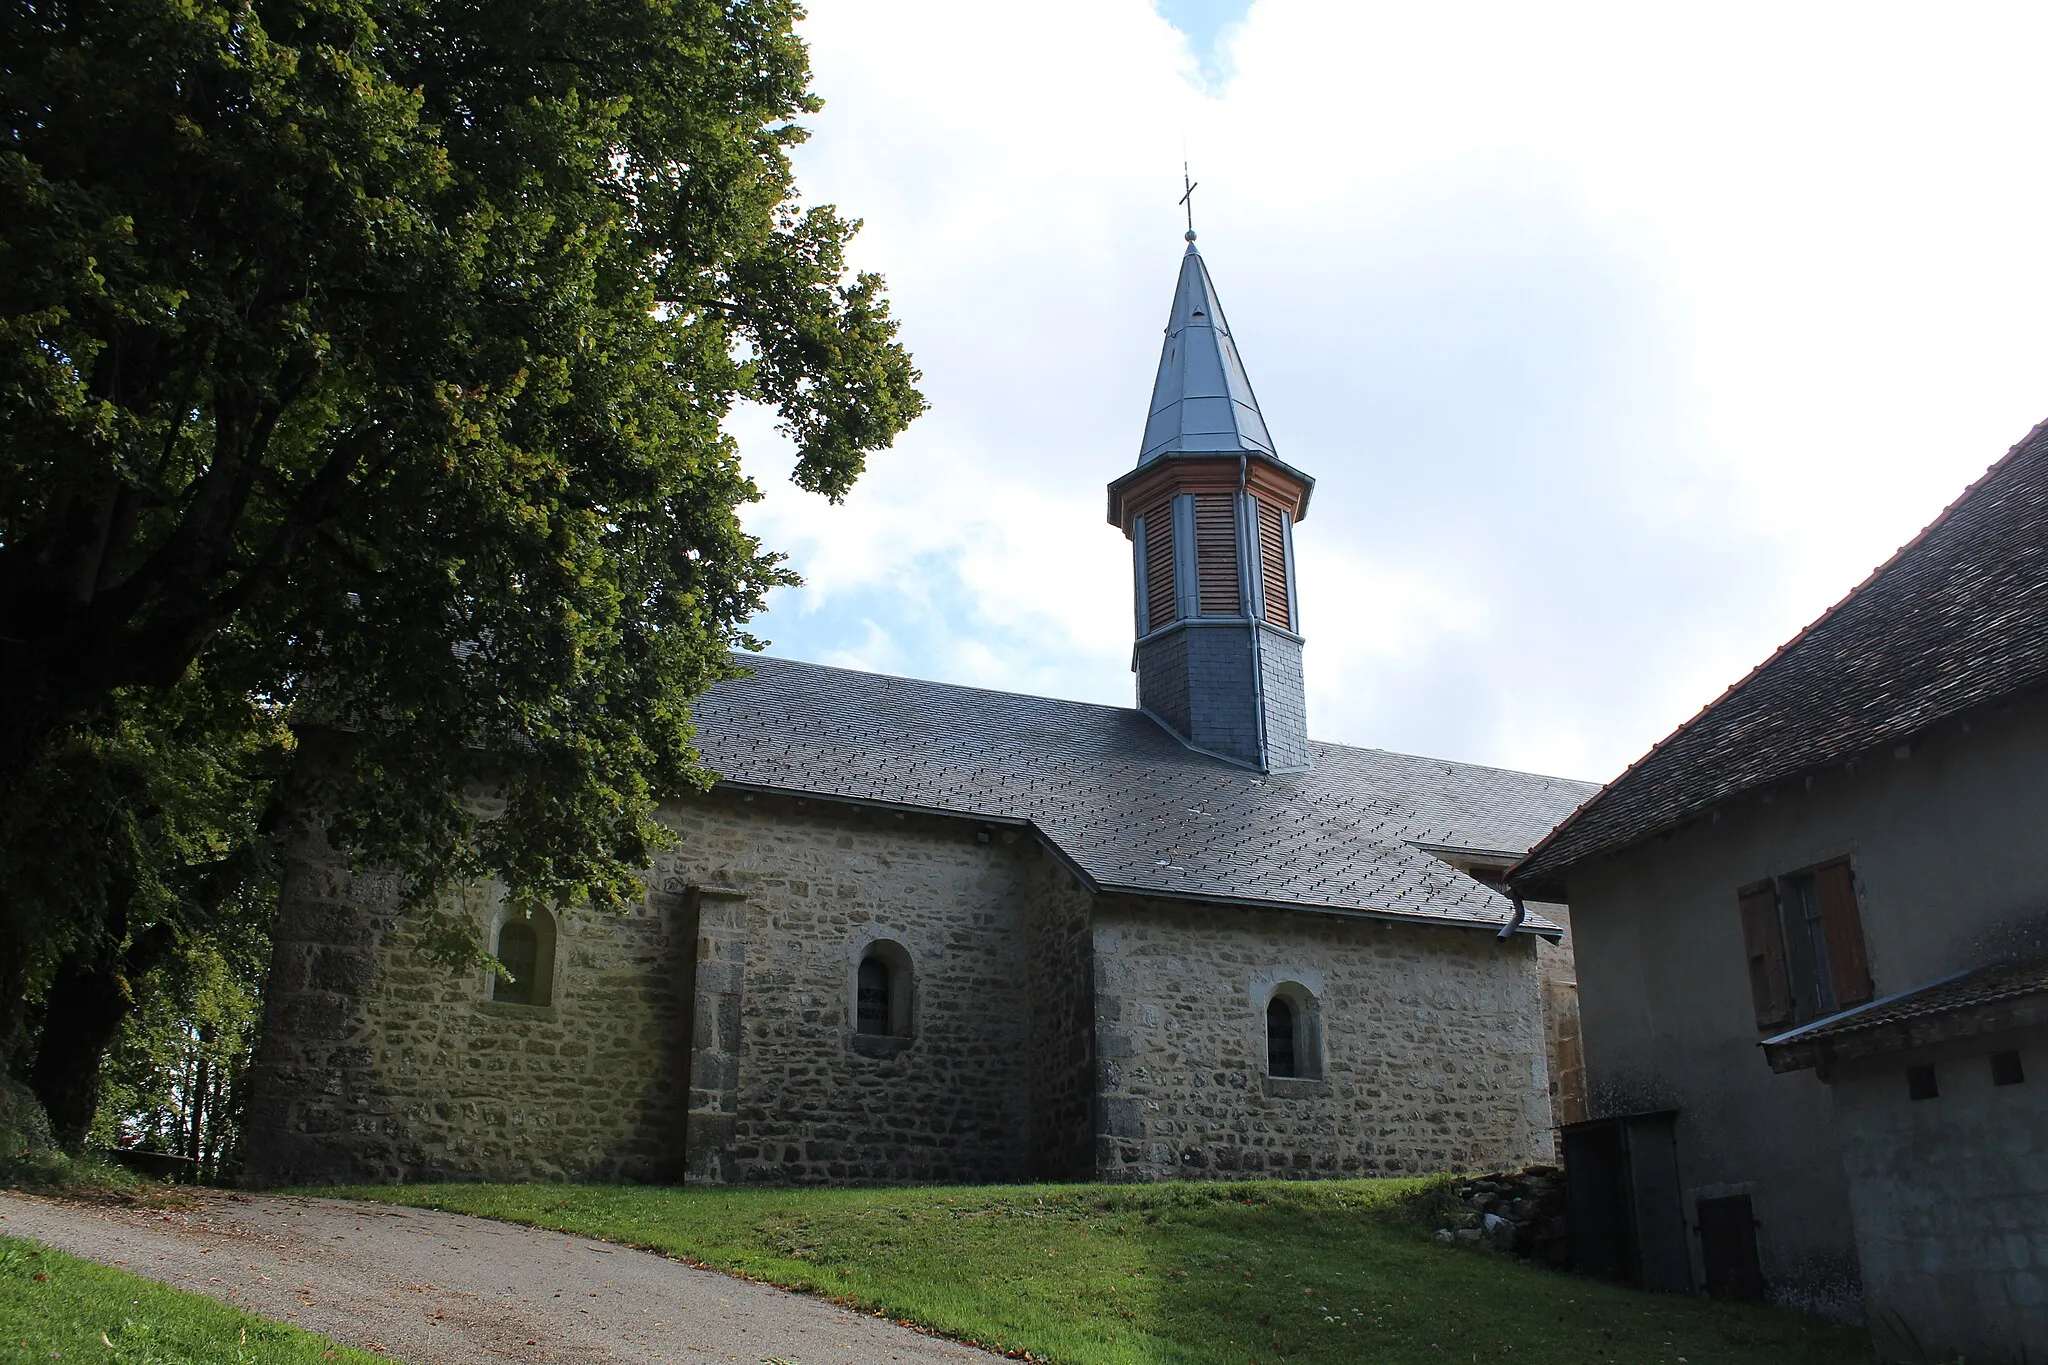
point(176, 1075)
point(1197, 1273)
point(54, 1306)
point(363, 372)
point(380, 352)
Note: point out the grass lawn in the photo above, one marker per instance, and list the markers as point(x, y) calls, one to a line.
point(1194, 1273)
point(57, 1307)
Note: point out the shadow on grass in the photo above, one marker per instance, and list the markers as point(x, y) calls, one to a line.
point(1194, 1273)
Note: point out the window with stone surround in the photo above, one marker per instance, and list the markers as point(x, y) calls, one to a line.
point(882, 986)
point(525, 947)
point(1294, 1033)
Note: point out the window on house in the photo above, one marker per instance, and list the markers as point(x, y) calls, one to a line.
point(525, 947)
point(873, 1006)
point(2006, 1069)
point(1920, 1083)
point(1280, 1058)
point(1804, 936)
point(881, 991)
point(1294, 1034)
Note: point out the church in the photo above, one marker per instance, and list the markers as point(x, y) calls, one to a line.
point(921, 932)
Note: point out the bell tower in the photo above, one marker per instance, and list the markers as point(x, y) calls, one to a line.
point(1210, 513)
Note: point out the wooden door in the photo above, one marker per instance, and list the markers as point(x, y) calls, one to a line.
point(1728, 1246)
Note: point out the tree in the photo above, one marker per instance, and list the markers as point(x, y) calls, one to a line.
point(376, 355)
point(142, 849)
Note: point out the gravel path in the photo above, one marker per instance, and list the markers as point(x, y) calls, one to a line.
point(442, 1289)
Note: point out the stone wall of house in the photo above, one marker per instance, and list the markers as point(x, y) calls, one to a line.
point(1432, 1054)
point(710, 1030)
point(378, 1064)
point(1060, 942)
point(1558, 980)
point(1950, 1198)
point(817, 885)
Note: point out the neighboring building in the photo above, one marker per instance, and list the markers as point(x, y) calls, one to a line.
point(1809, 864)
point(924, 932)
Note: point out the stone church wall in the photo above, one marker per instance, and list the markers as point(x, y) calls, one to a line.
point(817, 884)
point(378, 1065)
point(1060, 939)
point(1432, 1046)
point(711, 1030)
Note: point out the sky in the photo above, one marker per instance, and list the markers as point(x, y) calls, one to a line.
point(1621, 340)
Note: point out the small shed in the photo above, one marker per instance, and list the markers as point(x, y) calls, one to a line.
point(1941, 1104)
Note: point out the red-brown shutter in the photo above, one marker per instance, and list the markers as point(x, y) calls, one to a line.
point(1842, 924)
point(1273, 565)
point(1216, 553)
point(1159, 567)
point(1769, 987)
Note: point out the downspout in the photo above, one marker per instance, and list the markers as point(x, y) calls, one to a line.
point(1245, 544)
point(1507, 931)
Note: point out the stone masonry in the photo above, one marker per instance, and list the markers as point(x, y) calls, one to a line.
point(1432, 1050)
point(1053, 1034)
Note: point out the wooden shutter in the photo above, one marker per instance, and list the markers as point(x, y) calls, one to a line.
point(1216, 553)
point(1159, 567)
point(1841, 924)
point(1769, 987)
point(1273, 565)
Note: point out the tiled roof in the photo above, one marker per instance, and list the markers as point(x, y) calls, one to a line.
point(1905, 1019)
point(1956, 619)
point(1124, 802)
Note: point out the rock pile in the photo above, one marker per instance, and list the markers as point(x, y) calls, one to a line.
point(1521, 1212)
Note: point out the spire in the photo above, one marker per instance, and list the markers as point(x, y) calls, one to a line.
point(1202, 401)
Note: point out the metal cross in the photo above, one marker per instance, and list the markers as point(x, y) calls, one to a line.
point(1188, 199)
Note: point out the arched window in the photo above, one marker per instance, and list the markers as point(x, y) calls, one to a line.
point(1294, 1033)
point(526, 948)
point(1280, 1056)
point(882, 987)
point(871, 1008)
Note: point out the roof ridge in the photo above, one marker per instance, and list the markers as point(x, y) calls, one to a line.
point(1134, 711)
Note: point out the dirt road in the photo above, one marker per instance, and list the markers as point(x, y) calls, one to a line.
point(442, 1289)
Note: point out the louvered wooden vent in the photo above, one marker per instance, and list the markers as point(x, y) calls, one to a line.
point(1273, 565)
point(1159, 567)
point(1216, 553)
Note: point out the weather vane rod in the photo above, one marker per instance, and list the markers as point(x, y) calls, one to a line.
point(1188, 200)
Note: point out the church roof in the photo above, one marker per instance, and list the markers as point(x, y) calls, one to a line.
point(1957, 619)
point(1127, 805)
point(1202, 401)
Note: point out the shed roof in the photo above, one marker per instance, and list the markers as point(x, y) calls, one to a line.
point(1958, 618)
point(1965, 1004)
point(1124, 803)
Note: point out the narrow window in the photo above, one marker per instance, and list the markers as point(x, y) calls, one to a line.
point(2006, 1069)
point(1280, 1056)
point(1273, 566)
point(519, 951)
point(1920, 1083)
point(1159, 593)
point(871, 1007)
point(1216, 554)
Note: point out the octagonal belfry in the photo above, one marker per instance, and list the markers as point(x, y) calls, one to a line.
point(1210, 512)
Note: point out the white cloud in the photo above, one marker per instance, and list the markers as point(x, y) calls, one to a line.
point(1622, 339)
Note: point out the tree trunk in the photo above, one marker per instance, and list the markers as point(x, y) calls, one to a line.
point(84, 1008)
point(88, 998)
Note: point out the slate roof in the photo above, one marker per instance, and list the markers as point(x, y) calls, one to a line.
point(1202, 401)
point(1956, 619)
point(1916, 1016)
point(1127, 805)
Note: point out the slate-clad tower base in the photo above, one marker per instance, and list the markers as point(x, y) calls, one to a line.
point(1231, 688)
